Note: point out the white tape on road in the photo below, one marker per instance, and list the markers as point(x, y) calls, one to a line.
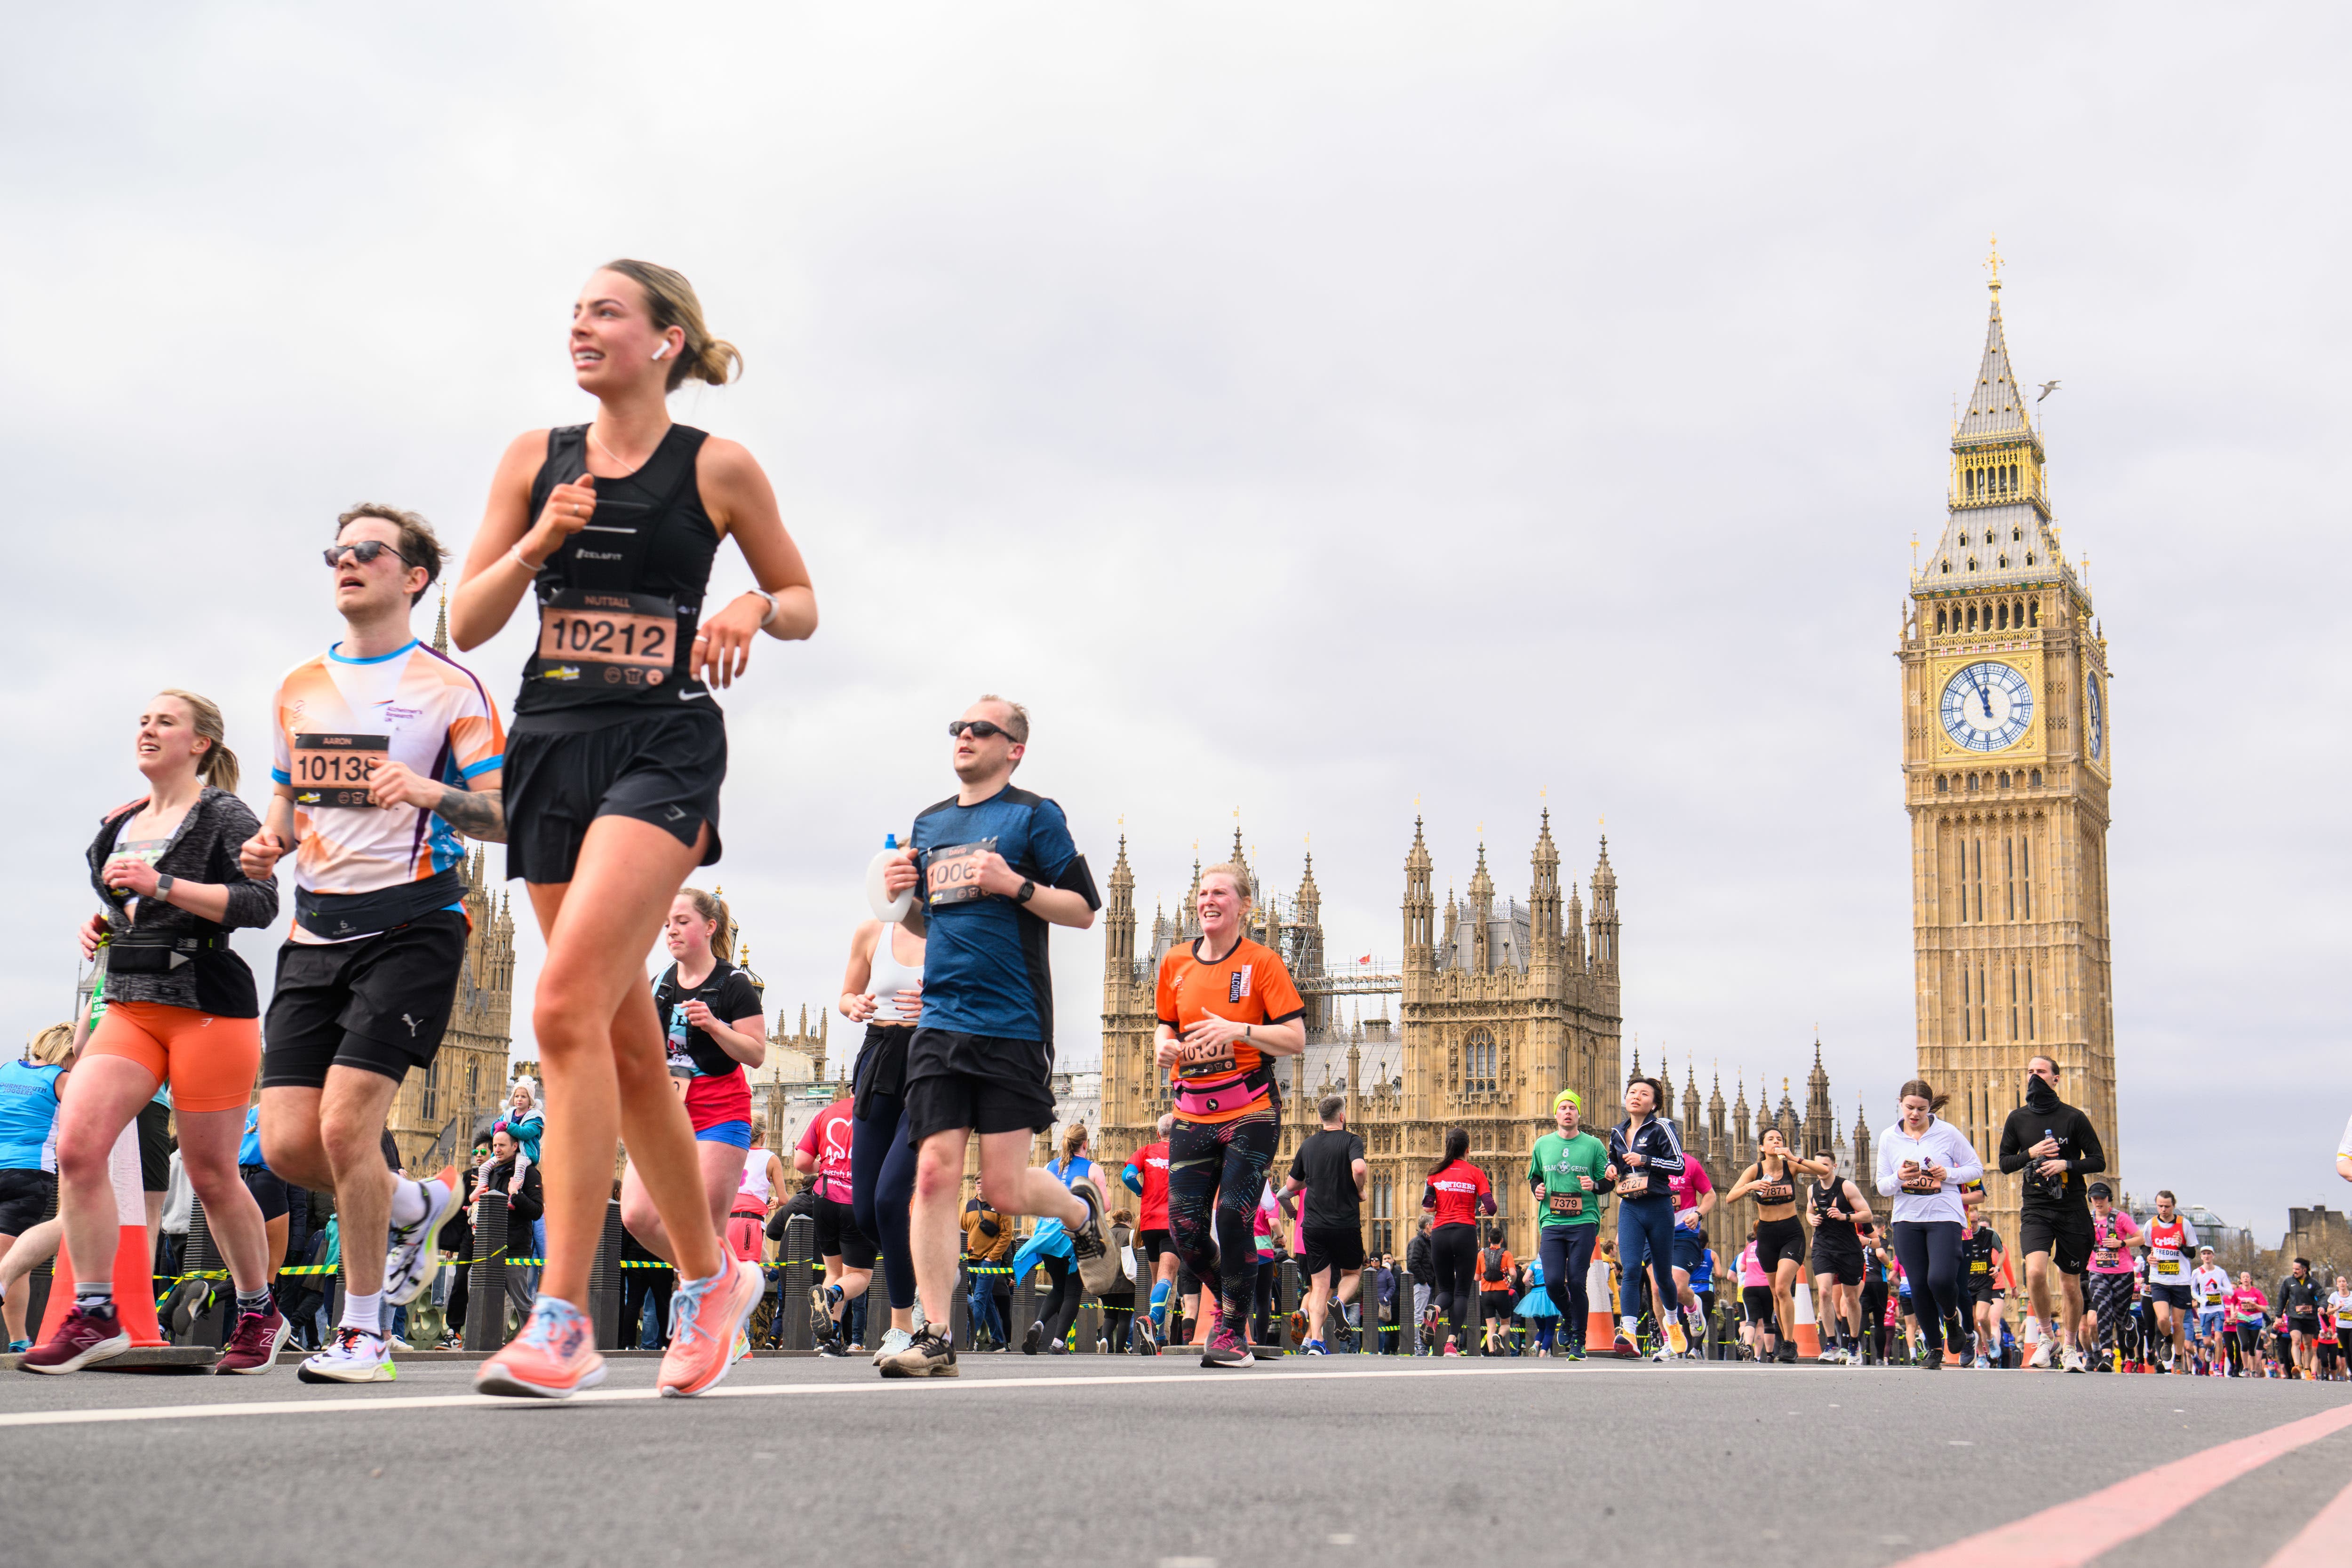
point(768, 1391)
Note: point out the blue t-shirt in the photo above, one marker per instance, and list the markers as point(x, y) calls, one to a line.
point(248, 1153)
point(984, 968)
point(1703, 1277)
point(28, 1105)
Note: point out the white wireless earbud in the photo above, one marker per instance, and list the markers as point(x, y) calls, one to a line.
point(663, 349)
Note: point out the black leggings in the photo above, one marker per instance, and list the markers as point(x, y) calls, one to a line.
point(1929, 1252)
point(1454, 1249)
point(1567, 1253)
point(1061, 1307)
point(1222, 1164)
point(881, 1185)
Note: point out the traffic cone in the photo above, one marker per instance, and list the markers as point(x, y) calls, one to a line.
point(134, 1283)
point(1809, 1334)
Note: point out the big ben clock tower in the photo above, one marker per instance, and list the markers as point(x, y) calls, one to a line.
point(2005, 772)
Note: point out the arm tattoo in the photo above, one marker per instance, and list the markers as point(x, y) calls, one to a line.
point(477, 813)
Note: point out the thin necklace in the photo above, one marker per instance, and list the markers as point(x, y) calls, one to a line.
point(615, 457)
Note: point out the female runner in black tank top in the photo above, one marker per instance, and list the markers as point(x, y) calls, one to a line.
point(612, 773)
point(1779, 1234)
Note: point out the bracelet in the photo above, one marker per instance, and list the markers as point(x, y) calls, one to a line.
point(514, 554)
point(770, 615)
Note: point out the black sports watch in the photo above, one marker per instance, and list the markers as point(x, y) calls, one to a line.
point(1027, 887)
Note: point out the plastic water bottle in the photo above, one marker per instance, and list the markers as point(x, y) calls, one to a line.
point(885, 906)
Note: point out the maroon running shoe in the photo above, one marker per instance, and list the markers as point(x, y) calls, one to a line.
point(253, 1348)
point(84, 1337)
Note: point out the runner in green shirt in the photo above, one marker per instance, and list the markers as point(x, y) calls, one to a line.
point(1568, 1173)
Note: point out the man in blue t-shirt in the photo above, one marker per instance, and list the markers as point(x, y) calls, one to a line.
point(994, 866)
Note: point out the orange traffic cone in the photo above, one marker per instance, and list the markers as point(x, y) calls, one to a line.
point(1809, 1332)
point(134, 1284)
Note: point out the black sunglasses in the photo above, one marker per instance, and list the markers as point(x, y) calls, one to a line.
point(364, 551)
point(980, 728)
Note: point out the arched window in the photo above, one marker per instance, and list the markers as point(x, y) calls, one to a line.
point(1948, 566)
point(2004, 777)
point(2004, 611)
point(1943, 784)
point(1972, 608)
point(2032, 606)
point(1479, 1075)
point(2016, 534)
point(1988, 536)
point(2029, 557)
point(1939, 618)
point(2004, 563)
point(2037, 778)
point(1972, 563)
point(1972, 783)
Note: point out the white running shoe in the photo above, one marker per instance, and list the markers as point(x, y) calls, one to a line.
point(353, 1355)
point(893, 1342)
point(414, 1251)
point(2075, 1360)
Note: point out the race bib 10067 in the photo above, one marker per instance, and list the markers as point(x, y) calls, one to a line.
point(951, 875)
point(336, 770)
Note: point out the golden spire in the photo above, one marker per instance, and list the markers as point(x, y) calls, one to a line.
point(1992, 262)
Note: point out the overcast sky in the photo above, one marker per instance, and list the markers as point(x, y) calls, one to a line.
point(1303, 411)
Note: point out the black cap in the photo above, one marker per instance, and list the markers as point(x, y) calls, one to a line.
point(2101, 1190)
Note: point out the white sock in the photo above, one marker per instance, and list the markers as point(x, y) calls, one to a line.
point(1629, 1325)
point(410, 1202)
point(363, 1311)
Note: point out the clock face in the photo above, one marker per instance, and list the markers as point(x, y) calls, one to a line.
point(2094, 709)
point(1987, 707)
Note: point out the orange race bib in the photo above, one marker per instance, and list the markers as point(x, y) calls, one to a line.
point(336, 770)
point(951, 875)
point(1570, 1204)
point(1920, 1181)
point(1207, 1060)
point(612, 638)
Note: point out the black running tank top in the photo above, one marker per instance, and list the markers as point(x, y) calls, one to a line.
point(619, 602)
point(1770, 1192)
point(1826, 1192)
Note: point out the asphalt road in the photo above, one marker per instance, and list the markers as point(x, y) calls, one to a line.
point(1090, 1460)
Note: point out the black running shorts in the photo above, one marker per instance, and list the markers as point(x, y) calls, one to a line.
point(2178, 1297)
point(837, 1235)
point(154, 1147)
point(1154, 1243)
point(981, 1083)
point(380, 1003)
point(1779, 1239)
point(1336, 1246)
point(25, 1198)
point(1756, 1300)
point(1837, 1255)
point(663, 769)
point(1493, 1304)
point(2068, 1246)
point(269, 1189)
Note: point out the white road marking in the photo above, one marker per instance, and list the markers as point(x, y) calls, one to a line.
point(771, 1391)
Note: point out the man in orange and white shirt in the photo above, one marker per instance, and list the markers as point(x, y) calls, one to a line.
point(386, 750)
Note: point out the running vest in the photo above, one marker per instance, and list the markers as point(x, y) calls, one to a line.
point(1826, 1193)
point(2165, 1264)
point(1490, 1269)
point(755, 1184)
point(1771, 1192)
point(620, 600)
point(888, 978)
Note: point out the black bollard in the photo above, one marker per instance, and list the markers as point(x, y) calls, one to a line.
point(605, 1280)
point(486, 1286)
point(208, 1324)
point(801, 1273)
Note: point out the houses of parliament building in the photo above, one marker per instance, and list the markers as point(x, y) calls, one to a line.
point(1502, 1003)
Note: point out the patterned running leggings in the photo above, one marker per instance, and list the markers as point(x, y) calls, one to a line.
point(1223, 1167)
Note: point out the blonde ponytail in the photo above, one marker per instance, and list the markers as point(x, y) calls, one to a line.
point(672, 302)
point(217, 766)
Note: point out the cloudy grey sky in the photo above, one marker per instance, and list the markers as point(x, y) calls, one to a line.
point(1302, 411)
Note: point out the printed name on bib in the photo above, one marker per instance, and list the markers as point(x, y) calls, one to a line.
point(630, 638)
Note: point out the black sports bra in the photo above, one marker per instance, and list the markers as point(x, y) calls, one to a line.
point(619, 602)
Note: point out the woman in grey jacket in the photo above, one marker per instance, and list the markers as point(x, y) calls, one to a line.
point(179, 1008)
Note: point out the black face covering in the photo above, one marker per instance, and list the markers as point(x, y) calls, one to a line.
point(2039, 1095)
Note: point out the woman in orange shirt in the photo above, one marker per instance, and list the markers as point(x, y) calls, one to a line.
point(1226, 1007)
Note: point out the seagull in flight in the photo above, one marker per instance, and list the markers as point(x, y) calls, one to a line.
point(2047, 388)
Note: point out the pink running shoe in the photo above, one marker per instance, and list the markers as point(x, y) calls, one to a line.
point(252, 1349)
point(553, 1358)
point(83, 1337)
point(705, 1316)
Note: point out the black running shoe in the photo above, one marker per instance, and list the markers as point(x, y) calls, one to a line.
point(1029, 1341)
point(930, 1355)
point(1225, 1349)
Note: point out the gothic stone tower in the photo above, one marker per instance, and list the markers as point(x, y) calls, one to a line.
point(2005, 769)
point(468, 1076)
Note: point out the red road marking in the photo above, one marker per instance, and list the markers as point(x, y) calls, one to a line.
point(2323, 1542)
point(2073, 1533)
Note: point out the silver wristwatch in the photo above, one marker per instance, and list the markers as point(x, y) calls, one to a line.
point(163, 885)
